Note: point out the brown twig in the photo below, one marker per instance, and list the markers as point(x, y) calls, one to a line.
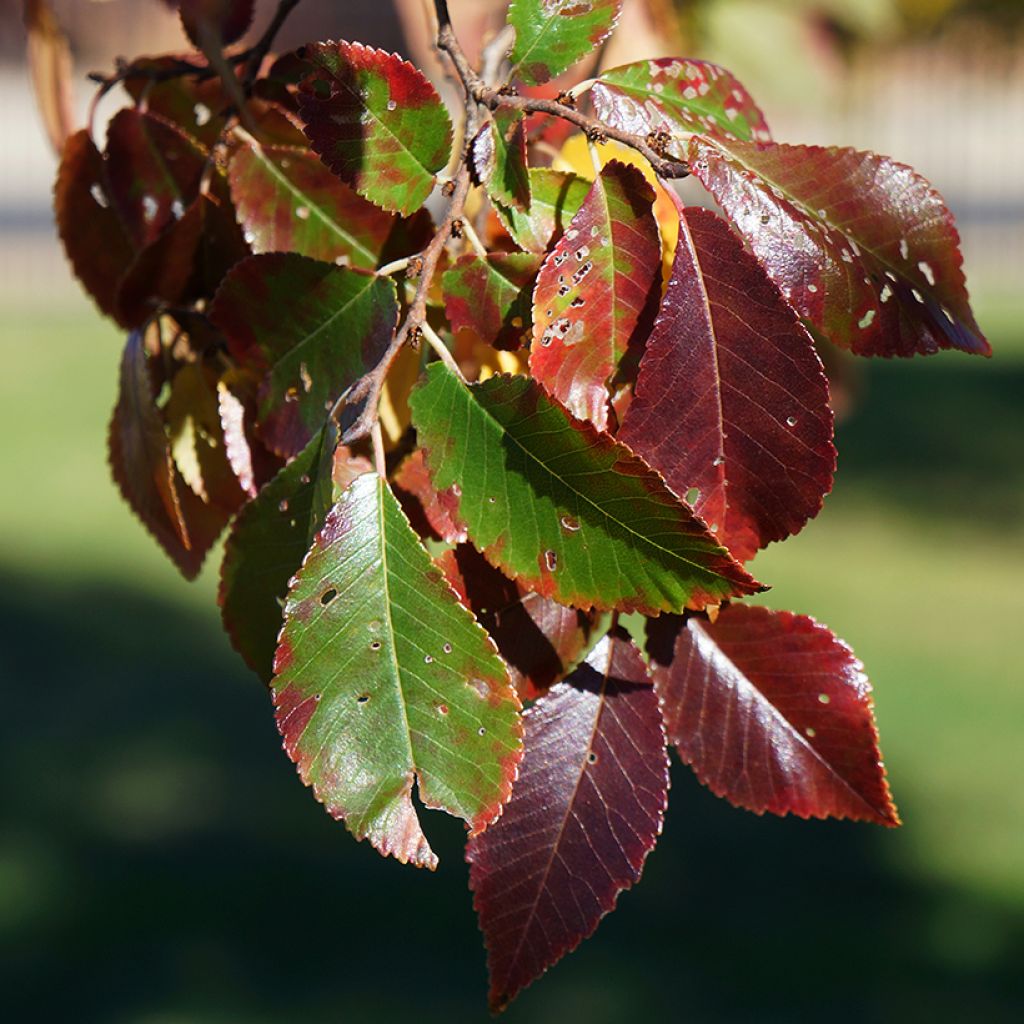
point(483, 94)
point(259, 50)
point(251, 59)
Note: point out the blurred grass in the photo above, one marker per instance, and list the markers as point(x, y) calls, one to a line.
point(160, 862)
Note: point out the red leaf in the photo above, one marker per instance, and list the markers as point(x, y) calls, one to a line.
point(94, 239)
point(429, 511)
point(773, 712)
point(540, 639)
point(154, 171)
point(140, 460)
point(860, 245)
point(492, 298)
point(596, 291)
point(731, 399)
point(585, 812)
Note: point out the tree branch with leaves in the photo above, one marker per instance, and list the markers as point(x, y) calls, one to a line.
point(495, 424)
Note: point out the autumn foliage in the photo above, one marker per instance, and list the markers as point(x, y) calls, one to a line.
point(460, 402)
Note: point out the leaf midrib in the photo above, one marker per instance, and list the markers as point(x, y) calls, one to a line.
point(321, 327)
point(791, 729)
point(282, 179)
point(644, 540)
point(571, 802)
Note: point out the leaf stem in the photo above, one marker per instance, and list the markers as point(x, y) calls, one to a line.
point(435, 341)
point(474, 239)
point(493, 99)
point(379, 458)
point(395, 267)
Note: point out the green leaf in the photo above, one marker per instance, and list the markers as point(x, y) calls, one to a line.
point(562, 507)
point(315, 328)
point(597, 292)
point(376, 121)
point(551, 35)
point(382, 677)
point(674, 95)
point(555, 197)
point(271, 535)
point(288, 201)
point(492, 297)
point(499, 159)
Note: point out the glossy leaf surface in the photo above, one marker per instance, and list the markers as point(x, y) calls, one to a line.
point(383, 678)
point(288, 201)
point(141, 463)
point(436, 512)
point(555, 198)
point(586, 811)
point(566, 510)
point(499, 159)
point(773, 712)
point(95, 241)
point(269, 539)
point(731, 400)
point(551, 35)
point(597, 292)
point(539, 639)
point(316, 328)
point(860, 245)
point(674, 95)
point(492, 298)
point(376, 122)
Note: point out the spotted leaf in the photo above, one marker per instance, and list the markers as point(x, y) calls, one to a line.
point(731, 404)
point(382, 678)
point(586, 811)
point(673, 96)
point(153, 172)
point(433, 513)
point(492, 298)
point(539, 639)
point(565, 509)
point(551, 35)
point(288, 201)
point(861, 246)
point(773, 712)
point(315, 329)
point(269, 539)
point(597, 292)
point(376, 122)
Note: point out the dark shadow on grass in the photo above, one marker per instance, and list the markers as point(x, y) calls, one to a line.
point(159, 860)
point(941, 437)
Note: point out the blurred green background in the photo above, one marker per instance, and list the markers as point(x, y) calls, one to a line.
point(161, 864)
